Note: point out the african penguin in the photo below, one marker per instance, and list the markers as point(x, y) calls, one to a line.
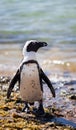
point(30, 76)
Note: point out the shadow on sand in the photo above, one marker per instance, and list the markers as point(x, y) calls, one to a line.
point(63, 121)
point(57, 120)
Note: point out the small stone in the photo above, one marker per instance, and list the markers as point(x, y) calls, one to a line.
point(73, 97)
point(67, 129)
point(15, 115)
point(4, 79)
point(6, 109)
point(71, 89)
point(28, 129)
point(0, 86)
point(7, 128)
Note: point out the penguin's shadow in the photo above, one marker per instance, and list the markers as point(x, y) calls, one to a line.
point(57, 120)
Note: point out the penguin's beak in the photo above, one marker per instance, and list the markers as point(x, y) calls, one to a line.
point(43, 44)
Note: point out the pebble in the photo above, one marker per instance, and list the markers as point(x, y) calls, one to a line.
point(71, 89)
point(4, 79)
point(73, 97)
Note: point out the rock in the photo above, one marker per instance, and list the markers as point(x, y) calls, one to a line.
point(4, 79)
point(73, 97)
point(0, 87)
point(72, 89)
point(15, 115)
point(6, 108)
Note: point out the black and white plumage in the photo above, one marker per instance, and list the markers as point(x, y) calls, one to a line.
point(30, 77)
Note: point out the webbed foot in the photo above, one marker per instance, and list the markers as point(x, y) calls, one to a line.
point(40, 111)
point(26, 108)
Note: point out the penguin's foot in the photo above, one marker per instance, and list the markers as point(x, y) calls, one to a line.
point(40, 111)
point(26, 108)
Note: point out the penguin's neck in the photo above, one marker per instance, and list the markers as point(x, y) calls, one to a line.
point(29, 56)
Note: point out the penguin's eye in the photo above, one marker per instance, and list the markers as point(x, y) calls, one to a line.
point(33, 43)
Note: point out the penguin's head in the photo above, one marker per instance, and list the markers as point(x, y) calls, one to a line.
point(33, 46)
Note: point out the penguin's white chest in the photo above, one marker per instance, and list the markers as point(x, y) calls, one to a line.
point(30, 88)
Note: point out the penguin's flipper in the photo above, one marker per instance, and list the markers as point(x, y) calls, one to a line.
point(48, 82)
point(13, 82)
